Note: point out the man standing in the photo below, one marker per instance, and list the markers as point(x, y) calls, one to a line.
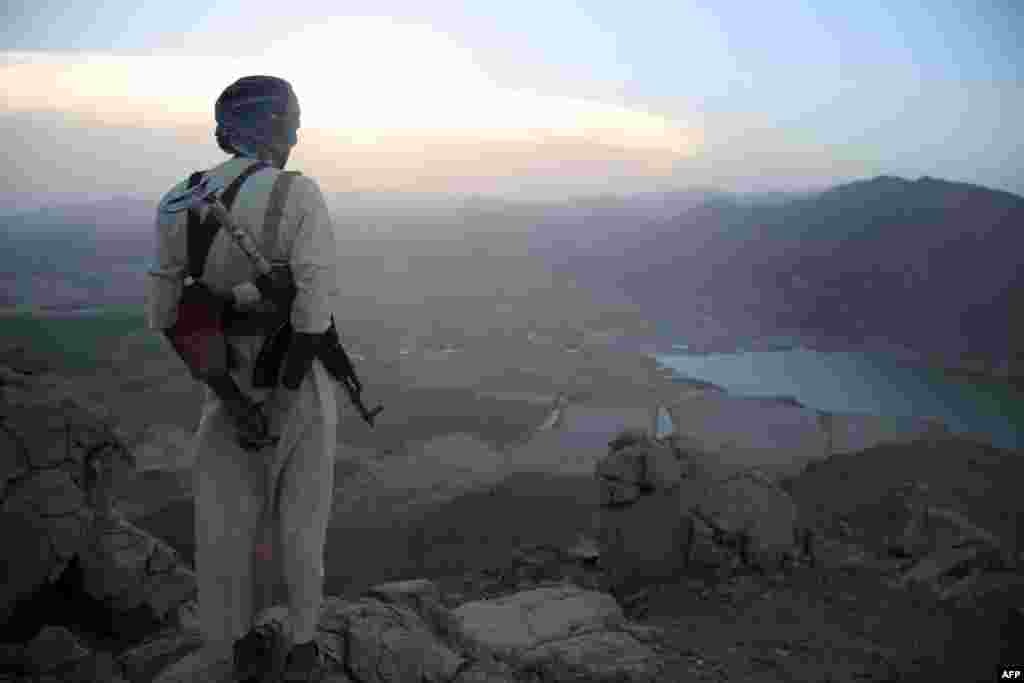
point(242, 478)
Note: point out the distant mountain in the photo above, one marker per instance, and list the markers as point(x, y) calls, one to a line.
point(928, 264)
point(77, 254)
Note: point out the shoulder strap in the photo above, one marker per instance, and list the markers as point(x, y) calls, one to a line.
point(200, 236)
point(191, 235)
point(275, 212)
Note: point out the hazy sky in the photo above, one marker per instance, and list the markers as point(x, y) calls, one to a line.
point(527, 98)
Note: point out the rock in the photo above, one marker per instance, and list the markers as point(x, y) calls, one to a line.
point(979, 585)
point(519, 622)
point(144, 662)
point(50, 492)
point(54, 648)
point(49, 504)
point(663, 469)
point(645, 634)
point(197, 667)
point(33, 564)
point(627, 465)
point(635, 466)
point(115, 564)
point(14, 457)
point(412, 593)
point(424, 598)
point(751, 504)
point(617, 493)
point(164, 447)
point(648, 540)
point(562, 632)
point(604, 656)
point(62, 457)
point(186, 616)
point(628, 437)
point(586, 550)
point(963, 530)
point(488, 672)
point(99, 668)
point(12, 657)
point(385, 643)
point(163, 558)
point(947, 560)
point(165, 592)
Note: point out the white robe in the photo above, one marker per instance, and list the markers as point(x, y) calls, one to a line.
point(296, 477)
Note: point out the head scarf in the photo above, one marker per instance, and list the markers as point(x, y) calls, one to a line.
point(256, 114)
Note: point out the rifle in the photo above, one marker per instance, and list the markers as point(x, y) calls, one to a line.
point(337, 362)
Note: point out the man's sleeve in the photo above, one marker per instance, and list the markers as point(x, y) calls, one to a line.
point(166, 274)
point(314, 258)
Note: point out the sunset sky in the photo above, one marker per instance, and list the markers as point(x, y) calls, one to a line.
point(530, 99)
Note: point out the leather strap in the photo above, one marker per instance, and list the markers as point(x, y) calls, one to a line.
point(258, 322)
point(200, 236)
point(274, 214)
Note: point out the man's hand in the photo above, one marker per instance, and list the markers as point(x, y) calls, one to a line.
point(252, 427)
point(277, 287)
point(250, 423)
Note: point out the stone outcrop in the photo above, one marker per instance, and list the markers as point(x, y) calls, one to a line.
point(62, 460)
point(661, 509)
point(564, 633)
point(64, 467)
point(401, 632)
point(751, 508)
point(54, 655)
point(642, 531)
point(127, 568)
point(948, 554)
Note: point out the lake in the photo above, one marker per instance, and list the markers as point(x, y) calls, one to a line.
point(860, 382)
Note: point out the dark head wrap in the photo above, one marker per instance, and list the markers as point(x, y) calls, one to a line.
point(255, 115)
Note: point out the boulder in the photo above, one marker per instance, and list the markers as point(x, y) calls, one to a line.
point(130, 568)
point(626, 465)
point(752, 505)
point(663, 468)
point(55, 648)
point(585, 550)
point(561, 633)
point(366, 641)
point(635, 458)
point(618, 493)
point(955, 559)
point(65, 459)
point(489, 672)
point(389, 643)
point(197, 667)
point(644, 532)
point(424, 598)
point(34, 563)
point(647, 540)
point(145, 661)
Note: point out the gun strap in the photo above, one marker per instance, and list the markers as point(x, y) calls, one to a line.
point(200, 235)
point(274, 214)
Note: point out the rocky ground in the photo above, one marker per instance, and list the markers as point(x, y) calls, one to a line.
point(889, 598)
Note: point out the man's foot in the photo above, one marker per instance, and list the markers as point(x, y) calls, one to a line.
point(304, 664)
point(258, 655)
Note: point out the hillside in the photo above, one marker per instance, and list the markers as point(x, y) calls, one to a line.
point(846, 265)
point(838, 268)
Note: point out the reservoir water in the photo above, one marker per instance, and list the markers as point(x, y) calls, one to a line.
point(990, 410)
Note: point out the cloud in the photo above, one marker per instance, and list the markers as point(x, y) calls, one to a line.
point(388, 101)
